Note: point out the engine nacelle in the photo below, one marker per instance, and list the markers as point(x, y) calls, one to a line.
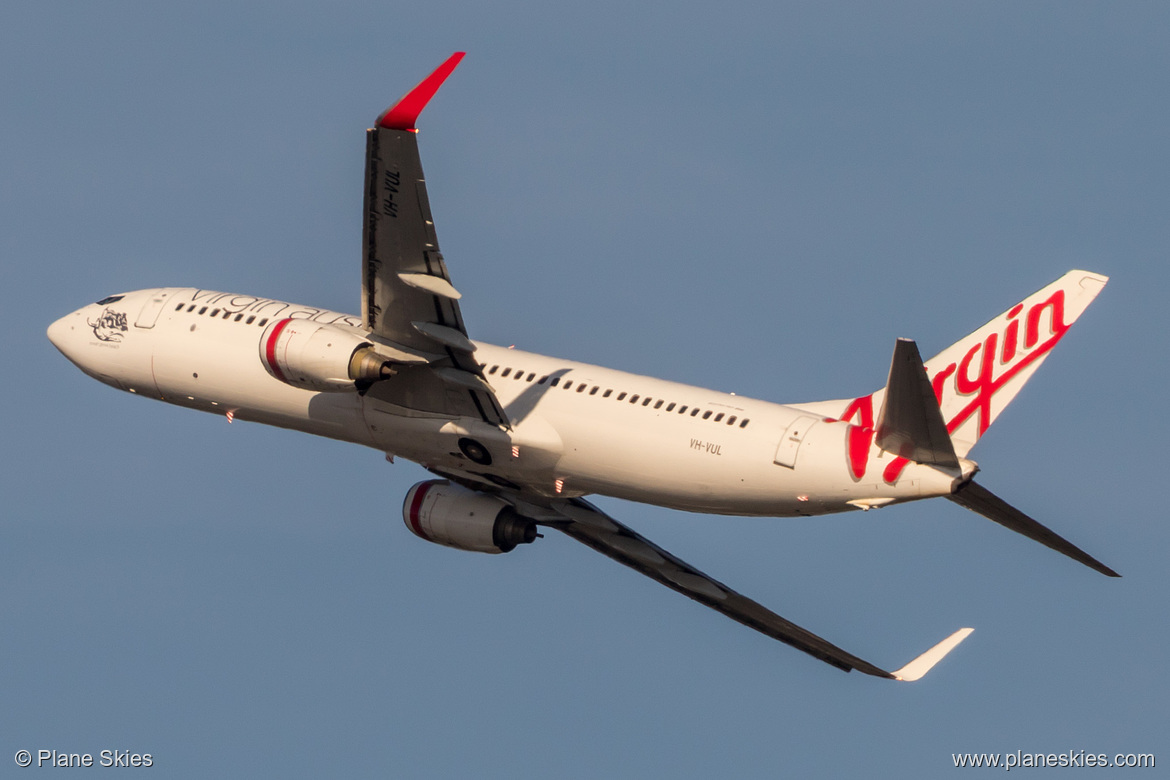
point(444, 513)
point(314, 356)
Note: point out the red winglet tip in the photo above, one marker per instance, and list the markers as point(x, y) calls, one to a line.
point(403, 114)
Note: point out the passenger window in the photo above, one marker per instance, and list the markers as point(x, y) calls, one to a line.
point(581, 388)
point(191, 308)
point(659, 404)
point(262, 322)
point(607, 393)
point(554, 381)
point(743, 423)
point(594, 390)
point(215, 312)
point(671, 407)
point(719, 417)
point(707, 415)
point(239, 317)
point(621, 396)
point(682, 409)
point(542, 380)
point(568, 385)
point(531, 376)
point(506, 371)
point(731, 420)
point(694, 411)
point(647, 401)
point(203, 310)
point(493, 369)
point(179, 307)
point(251, 317)
point(634, 399)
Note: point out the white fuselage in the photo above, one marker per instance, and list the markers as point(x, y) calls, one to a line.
point(593, 431)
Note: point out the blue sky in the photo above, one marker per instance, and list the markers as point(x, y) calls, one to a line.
point(758, 198)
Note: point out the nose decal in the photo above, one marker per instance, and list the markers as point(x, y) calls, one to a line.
point(109, 326)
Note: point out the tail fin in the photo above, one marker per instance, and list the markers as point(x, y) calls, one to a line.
point(975, 378)
point(911, 426)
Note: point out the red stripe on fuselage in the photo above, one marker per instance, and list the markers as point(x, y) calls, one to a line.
point(270, 348)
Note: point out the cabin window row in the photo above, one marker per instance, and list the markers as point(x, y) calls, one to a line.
point(633, 398)
point(226, 314)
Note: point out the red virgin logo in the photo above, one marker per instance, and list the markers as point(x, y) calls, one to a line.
point(966, 388)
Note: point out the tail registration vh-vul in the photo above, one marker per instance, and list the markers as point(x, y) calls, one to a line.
point(516, 440)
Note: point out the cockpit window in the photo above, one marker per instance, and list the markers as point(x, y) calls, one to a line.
point(110, 299)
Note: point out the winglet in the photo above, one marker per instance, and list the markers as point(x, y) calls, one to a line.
point(916, 669)
point(403, 114)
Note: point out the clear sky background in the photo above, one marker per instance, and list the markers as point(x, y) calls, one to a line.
point(754, 197)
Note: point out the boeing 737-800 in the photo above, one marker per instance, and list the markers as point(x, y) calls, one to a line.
point(518, 439)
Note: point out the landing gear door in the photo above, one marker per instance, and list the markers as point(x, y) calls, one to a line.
point(152, 308)
point(792, 439)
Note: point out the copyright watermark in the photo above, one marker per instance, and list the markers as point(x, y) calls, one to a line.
point(1070, 758)
point(106, 758)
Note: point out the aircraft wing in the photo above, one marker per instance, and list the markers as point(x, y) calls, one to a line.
point(589, 525)
point(407, 295)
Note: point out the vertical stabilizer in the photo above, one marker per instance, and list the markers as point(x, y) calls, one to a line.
point(976, 378)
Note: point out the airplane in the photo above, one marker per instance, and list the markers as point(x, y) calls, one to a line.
point(517, 440)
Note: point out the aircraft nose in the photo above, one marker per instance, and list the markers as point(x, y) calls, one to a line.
point(56, 332)
point(65, 335)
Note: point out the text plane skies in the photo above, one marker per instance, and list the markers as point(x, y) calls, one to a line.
point(517, 440)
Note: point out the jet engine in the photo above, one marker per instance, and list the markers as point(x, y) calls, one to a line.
point(314, 356)
point(444, 513)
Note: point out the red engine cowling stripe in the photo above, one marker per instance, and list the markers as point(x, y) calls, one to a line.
point(415, 506)
point(270, 348)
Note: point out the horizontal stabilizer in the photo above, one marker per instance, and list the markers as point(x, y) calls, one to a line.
point(982, 501)
point(925, 662)
point(911, 424)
